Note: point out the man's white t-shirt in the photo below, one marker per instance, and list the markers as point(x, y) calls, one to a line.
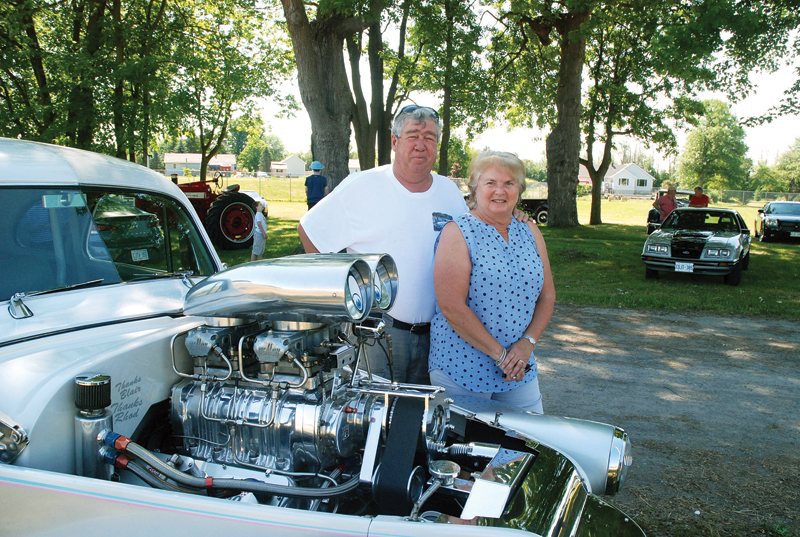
point(371, 212)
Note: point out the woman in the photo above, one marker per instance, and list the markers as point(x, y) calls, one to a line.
point(494, 291)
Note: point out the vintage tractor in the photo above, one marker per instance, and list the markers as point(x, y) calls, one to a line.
point(227, 214)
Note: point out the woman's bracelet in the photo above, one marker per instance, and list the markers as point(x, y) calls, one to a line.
point(502, 358)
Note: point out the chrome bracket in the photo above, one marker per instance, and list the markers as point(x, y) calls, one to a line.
point(13, 439)
point(17, 308)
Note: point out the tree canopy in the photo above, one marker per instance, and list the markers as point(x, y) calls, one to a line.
point(714, 155)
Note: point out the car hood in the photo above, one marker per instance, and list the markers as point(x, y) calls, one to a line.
point(685, 235)
point(67, 310)
point(783, 217)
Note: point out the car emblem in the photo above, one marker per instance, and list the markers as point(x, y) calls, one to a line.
point(686, 252)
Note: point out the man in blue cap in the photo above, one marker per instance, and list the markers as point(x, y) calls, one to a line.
point(316, 185)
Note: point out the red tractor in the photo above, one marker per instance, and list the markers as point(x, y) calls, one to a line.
point(227, 214)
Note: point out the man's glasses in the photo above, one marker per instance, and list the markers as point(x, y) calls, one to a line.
point(414, 107)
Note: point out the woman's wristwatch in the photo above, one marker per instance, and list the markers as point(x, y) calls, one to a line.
point(529, 338)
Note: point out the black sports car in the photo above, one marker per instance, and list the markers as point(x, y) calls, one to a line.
point(778, 220)
point(700, 241)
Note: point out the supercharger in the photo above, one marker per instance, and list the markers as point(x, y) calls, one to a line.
point(276, 382)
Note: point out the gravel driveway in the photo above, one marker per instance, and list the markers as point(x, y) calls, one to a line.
point(711, 405)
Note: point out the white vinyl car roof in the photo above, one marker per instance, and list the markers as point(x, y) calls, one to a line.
point(26, 163)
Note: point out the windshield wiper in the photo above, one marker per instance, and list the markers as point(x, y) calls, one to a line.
point(183, 274)
point(19, 310)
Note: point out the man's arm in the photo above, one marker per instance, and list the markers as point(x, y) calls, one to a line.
point(307, 244)
point(657, 207)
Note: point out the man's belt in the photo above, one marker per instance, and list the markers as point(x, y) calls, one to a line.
point(420, 328)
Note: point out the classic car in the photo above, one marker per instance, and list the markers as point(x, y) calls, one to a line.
point(699, 241)
point(188, 398)
point(778, 220)
point(654, 217)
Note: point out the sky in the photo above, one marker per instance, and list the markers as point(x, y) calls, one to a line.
point(766, 142)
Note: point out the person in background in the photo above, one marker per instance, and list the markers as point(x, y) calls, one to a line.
point(666, 203)
point(259, 233)
point(494, 291)
point(316, 185)
point(699, 199)
point(396, 209)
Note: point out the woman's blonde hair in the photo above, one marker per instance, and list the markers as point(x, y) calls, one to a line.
point(501, 159)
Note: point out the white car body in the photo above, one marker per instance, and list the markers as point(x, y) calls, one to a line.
point(166, 397)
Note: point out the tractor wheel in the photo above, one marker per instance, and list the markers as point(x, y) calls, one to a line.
point(231, 221)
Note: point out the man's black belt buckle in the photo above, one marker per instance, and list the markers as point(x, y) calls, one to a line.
point(416, 329)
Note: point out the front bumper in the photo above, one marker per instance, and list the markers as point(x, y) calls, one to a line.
point(698, 266)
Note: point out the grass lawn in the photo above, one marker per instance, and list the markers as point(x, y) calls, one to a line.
point(602, 266)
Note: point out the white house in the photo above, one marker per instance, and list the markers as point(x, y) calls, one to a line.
point(622, 180)
point(291, 166)
point(629, 179)
point(353, 165)
point(177, 162)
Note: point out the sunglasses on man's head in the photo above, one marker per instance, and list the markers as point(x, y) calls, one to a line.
point(414, 107)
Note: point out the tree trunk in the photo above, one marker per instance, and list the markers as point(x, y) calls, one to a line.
point(361, 124)
point(444, 161)
point(564, 143)
point(322, 80)
point(385, 132)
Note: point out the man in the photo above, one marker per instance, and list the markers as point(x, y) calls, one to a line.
point(699, 199)
point(397, 209)
point(316, 185)
point(666, 203)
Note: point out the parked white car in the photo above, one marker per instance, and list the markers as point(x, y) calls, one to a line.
point(159, 394)
point(707, 241)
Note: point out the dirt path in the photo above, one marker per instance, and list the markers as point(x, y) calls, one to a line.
point(712, 405)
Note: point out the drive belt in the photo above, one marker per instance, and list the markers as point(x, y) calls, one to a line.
point(391, 488)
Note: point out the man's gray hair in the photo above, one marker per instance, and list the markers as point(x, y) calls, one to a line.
point(418, 115)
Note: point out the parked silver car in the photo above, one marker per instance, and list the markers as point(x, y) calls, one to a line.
point(171, 397)
point(699, 241)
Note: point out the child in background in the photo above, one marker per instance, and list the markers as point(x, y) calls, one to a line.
point(260, 234)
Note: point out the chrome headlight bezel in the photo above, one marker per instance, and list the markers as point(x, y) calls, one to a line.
point(717, 252)
point(771, 222)
point(620, 460)
point(657, 248)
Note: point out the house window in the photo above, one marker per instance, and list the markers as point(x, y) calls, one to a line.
point(641, 182)
point(623, 181)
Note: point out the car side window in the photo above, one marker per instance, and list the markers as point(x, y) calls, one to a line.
point(148, 234)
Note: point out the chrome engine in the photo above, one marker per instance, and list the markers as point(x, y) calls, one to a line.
point(276, 405)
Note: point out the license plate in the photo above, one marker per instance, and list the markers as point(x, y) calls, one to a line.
point(794, 233)
point(684, 267)
point(139, 255)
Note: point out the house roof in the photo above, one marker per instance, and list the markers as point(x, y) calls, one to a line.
point(630, 169)
point(194, 158)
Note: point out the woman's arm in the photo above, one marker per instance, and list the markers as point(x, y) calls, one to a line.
point(451, 273)
point(520, 352)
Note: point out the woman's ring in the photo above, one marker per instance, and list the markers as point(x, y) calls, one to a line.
point(521, 362)
point(514, 377)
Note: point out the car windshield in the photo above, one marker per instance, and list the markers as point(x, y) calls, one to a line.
point(784, 208)
point(62, 237)
point(700, 221)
